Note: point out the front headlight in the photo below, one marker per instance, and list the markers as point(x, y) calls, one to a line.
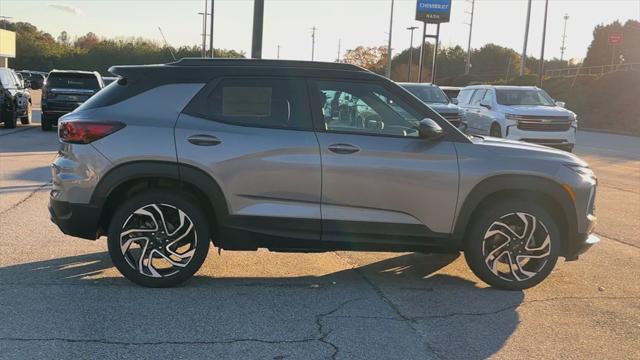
point(511, 116)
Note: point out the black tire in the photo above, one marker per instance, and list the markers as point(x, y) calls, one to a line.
point(505, 210)
point(170, 204)
point(495, 130)
point(26, 120)
point(9, 119)
point(45, 122)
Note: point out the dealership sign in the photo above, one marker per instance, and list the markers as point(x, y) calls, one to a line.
point(615, 39)
point(433, 11)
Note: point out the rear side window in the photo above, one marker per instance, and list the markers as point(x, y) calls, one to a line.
point(73, 81)
point(465, 96)
point(271, 103)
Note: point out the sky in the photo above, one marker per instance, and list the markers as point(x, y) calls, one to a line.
point(288, 23)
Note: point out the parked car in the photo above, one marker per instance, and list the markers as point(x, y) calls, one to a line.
point(451, 91)
point(524, 113)
point(36, 79)
point(15, 100)
point(252, 154)
point(433, 96)
point(109, 79)
point(64, 91)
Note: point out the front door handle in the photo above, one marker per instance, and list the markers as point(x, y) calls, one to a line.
point(343, 149)
point(204, 140)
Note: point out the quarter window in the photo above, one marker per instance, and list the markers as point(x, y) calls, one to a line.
point(269, 103)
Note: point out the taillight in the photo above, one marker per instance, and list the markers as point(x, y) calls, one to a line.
point(84, 132)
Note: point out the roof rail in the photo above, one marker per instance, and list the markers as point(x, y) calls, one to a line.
point(265, 63)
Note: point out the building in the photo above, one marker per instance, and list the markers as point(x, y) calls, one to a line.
point(7, 47)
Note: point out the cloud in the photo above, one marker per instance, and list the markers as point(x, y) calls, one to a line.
point(72, 10)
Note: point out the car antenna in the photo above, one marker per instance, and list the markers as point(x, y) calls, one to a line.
point(166, 43)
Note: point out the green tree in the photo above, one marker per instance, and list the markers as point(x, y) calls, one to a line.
point(602, 53)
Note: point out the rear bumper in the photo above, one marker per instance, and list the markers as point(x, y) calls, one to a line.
point(79, 220)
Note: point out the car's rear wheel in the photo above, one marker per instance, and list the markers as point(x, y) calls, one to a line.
point(26, 120)
point(512, 244)
point(45, 122)
point(495, 130)
point(158, 239)
point(9, 119)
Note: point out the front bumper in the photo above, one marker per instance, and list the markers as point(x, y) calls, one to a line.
point(79, 220)
point(559, 139)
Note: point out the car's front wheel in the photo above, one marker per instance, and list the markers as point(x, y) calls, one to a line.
point(9, 119)
point(26, 119)
point(512, 244)
point(45, 122)
point(158, 239)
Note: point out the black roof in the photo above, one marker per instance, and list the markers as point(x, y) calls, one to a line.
point(201, 69)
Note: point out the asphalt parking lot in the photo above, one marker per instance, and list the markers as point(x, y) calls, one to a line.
point(60, 297)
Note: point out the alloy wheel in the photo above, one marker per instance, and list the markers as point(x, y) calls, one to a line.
point(158, 240)
point(516, 246)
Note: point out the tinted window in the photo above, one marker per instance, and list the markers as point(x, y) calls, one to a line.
point(272, 103)
point(523, 97)
point(428, 94)
point(366, 109)
point(6, 78)
point(477, 96)
point(465, 96)
point(73, 81)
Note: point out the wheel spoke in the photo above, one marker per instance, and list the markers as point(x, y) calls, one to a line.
point(500, 228)
point(529, 226)
point(539, 252)
point(147, 254)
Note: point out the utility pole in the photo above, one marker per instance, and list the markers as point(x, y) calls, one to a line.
point(313, 42)
point(258, 21)
point(411, 28)
point(526, 38)
point(389, 43)
point(434, 63)
point(564, 37)
point(544, 35)
point(339, 43)
point(424, 35)
point(204, 29)
point(211, 32)
point(278, 56)
point(467, 65)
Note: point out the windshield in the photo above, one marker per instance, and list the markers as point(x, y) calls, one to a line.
point(523, 97)
point(73, 81)
point(428, 94)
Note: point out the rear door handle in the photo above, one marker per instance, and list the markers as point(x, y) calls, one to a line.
point(343, 149)
point(204, 140)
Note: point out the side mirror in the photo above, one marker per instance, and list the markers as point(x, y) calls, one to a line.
point(560, 104)
point(485, 103)
point(429, 129)
point(454, 101)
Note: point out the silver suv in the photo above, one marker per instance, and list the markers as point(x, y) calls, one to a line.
point(252, 154)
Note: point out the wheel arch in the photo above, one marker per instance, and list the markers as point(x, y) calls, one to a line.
point(129, 179)
point(535, 188)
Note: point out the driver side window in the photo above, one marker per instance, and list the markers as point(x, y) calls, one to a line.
point(366, 109)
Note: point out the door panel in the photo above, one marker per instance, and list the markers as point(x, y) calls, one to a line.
point(390, 180)
point(264, 172)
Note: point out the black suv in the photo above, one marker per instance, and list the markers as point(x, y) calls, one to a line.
point(64, 91)
point(15, 100)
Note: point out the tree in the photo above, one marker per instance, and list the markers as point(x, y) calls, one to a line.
point(63, 38)
point(602, 53)
point(87, 41)
point(371, 58)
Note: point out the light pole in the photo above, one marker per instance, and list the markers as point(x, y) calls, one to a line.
point(313, 42)
point(467, 65)
point(204, 29)
point(526, 37)
point(389, 43)
point(544, 35)
point(278, 56)
point(211, 31)
point(258, 21)
point(411, 28)
point(564, 37)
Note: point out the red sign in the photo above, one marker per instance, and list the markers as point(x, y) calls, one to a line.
point(615, 39)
